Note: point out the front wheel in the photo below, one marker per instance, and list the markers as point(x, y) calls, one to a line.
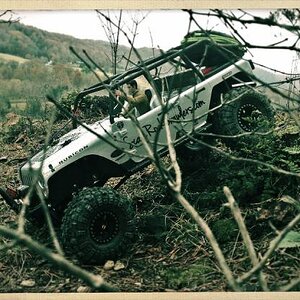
point(244, 110)
point(98, 225)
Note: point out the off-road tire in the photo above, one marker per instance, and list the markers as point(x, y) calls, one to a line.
point(244, 110)
point(98, 225)
point(192, 155)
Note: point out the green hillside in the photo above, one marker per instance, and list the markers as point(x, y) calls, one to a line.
point(34, 63)
point(29, 43)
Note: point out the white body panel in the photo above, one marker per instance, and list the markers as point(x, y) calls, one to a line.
point(188, 111)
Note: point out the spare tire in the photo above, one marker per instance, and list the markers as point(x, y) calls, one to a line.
point(212, 47)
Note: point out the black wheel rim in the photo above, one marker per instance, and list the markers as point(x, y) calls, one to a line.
point(104, 227)
point(248, 117)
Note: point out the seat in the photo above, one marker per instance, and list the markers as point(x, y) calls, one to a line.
point(148, 94)
point(154, 102)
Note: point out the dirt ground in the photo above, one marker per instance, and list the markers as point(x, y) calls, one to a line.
point(169, 254)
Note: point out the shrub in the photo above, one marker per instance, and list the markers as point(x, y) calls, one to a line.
point(90, 107)
point(34, 108)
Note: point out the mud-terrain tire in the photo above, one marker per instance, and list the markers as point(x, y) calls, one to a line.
point(98, 225)
point(192, 155)
point(244, 110)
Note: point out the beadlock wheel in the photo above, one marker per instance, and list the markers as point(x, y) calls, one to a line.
point(98, 225)
point(104, 227)
point(244, 110)
point(248, 115)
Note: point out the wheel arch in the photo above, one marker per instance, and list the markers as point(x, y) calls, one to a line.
point(228, 84)
point(86, 171)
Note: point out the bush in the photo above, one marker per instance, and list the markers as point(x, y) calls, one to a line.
point(248, 181)
point(34, 108)
point(89, 107)
point(19, 128)
point(13, 131)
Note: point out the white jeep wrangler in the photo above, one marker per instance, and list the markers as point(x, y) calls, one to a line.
point(202, 85)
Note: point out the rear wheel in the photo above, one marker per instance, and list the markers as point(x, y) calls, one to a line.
point(244, 110)
point(98, 225)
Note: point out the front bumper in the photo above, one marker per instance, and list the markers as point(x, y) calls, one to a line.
point(13, 197)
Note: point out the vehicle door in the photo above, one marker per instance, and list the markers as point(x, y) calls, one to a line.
point(146, 133)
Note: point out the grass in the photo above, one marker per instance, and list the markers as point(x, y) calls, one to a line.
point(9, 57)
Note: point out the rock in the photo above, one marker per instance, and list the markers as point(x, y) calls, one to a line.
point(83, 289)
point(109, 265)
point(3, 158)
point(119, 266)
point(28, 283)
point(139, 284)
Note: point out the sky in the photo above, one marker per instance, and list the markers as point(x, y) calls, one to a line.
point(161, 28)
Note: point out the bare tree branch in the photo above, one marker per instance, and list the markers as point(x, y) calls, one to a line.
point(10, 19)
point(273, 246)
point(59, 261)
point(256, 20)
point(245, 235)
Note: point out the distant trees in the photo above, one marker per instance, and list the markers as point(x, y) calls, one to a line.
point(8, 69)
point(29, 42)
point(29, 82)
point(23, 81)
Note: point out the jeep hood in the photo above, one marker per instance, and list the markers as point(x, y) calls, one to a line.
point(27, 170)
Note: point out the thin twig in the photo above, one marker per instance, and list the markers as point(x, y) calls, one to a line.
point(176, 186)
point(245, 234)
point(212, 240)
point(256, 20)
point(273, 246)
point(58, 260)
point(290, 285)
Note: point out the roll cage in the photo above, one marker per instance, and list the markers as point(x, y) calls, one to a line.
point(178, 55)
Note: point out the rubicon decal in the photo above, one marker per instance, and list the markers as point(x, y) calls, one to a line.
point(72, 154)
